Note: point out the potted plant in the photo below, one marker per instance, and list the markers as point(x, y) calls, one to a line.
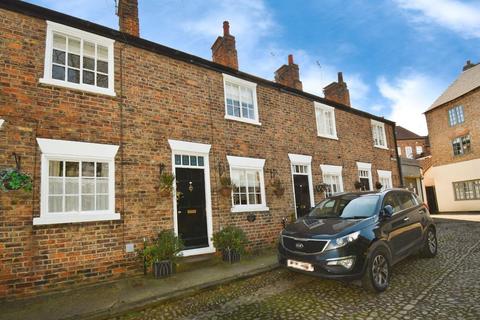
point(162, 253)
point(13, 179)
point(166, 184)
point(231, 242)
point(278, 188)
point(226, 186)
point(358, 185)
point(378, 185)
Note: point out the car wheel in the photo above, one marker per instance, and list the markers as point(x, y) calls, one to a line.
point(377, 274)
point(430, 247)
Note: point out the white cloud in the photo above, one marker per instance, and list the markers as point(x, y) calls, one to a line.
point(461, 17)
point(409, 96)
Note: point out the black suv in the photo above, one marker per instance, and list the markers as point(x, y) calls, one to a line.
point(359, 235)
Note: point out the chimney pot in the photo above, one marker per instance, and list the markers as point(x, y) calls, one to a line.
point(290, 59)
point(289, 74)
point(226, 28)
point(340, 77)
point(469, 65)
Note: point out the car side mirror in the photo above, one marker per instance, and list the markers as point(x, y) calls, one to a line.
point(387, 211)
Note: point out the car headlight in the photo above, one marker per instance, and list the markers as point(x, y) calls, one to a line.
point(343, 241)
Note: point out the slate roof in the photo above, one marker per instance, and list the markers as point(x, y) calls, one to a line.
point(405, 134)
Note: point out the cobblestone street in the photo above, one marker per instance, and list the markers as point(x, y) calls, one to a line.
point(446, 287)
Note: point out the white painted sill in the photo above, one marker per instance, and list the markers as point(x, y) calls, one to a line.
point(380, 147)
point(249, 121)
point(78, 86)
point(328, 137)
point(57, 218)
point(249, 208)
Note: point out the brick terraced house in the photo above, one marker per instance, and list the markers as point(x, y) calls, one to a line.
point(95, 115)
point(453, 181)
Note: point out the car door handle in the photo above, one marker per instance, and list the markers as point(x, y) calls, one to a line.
point(406, 219)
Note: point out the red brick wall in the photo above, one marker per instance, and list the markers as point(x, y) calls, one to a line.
point(413, 143)
point(164, 99)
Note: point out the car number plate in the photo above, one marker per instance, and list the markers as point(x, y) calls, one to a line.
point(305, 266)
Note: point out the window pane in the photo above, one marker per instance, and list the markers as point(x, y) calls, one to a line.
point(102, 185)
point(102, 53)
point(193, 160)
point(71, 203)
point(102, 169)
point(88, 203)
point(59, 42)
point(73, 60)
point(102, 66)
point(89, 77)
point(73, 46)
point(55, 186)
point(88, 63)
point(71, 185)
point(55, 168)
point(55, 204)
point(88, 186)
point(102, 81)
point(200, 161)
point(58, 56)
point(73, 75)
point(71, 169)
point(88, 169)
point(58, 72)
point(89, 49)
point(243, 198)
point(178, 159)
point(102, 202)
point(185, 160)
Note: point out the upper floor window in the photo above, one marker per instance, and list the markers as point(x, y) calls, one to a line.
point(325, 116)
point(378, 132)
point(409, 152)
point(419, 150)
point(79, 60)
point(240, 100)
point(77, 182)
point(461, 145)
point(455, 116)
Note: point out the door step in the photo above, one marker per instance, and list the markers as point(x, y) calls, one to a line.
point(196, 262)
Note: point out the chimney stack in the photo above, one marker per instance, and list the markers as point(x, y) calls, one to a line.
point(338, 91)
point(223, 49)
point(289, 75)
point(127, 12)
point(469, 65)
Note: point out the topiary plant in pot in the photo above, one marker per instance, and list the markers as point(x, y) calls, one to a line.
point(13, 179)
point(231, 242)
point(162, 253)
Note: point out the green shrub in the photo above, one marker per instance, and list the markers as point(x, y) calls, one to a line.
point(166, 246)
point(229, 238)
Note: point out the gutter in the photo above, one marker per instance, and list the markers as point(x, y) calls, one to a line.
point(399, 165)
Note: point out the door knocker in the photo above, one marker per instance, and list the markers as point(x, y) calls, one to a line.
point(190, 187)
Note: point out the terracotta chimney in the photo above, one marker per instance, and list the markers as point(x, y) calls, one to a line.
point(289, 75)
point(223, 49)
point(338, 91)
point(127, 12)
point(469, 65)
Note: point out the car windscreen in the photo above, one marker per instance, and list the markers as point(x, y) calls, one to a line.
point(346, 207)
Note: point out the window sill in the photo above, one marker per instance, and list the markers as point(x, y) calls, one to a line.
point(75, 86)
point(249, 208)
point(328, 137)
point(249, 121)
point(57, 218)
point(381, 147)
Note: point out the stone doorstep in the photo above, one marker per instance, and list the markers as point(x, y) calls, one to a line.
point(130, 294)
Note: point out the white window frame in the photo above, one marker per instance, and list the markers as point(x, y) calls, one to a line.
point(409, 152)
point(399, 151)
point(244, 163)
point(320, 110)
point(385, 174)
point(366, 167)
point(194, 149)
point(242, 83)
point(85, 36)
point(417, 148)
point(63, 150)
point(302, 160)
point(334, 171)
point(377, 124)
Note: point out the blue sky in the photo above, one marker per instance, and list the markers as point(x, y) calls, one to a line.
point(397, 56)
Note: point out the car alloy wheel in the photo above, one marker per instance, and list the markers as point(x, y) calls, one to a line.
point(432, 242)
point(380, 271)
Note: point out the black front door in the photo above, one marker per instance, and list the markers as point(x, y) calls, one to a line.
point(191, 208)
point(302, 194)
point(431, 199)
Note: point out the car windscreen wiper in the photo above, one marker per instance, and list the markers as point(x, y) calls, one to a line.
point(356, 217)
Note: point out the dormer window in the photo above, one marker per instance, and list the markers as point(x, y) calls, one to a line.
point(79, 60)
point(240, 100)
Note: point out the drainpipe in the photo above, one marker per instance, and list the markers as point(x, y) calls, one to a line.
point(399, 165)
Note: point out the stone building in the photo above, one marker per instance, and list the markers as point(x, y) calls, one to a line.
point(453, 180)
point(95, 116)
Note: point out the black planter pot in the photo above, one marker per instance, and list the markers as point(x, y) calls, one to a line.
point(162, 269)
point(230, 255)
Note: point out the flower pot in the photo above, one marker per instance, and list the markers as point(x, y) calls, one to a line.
point(230, 255)
point(162, 269)
point(226, 191)
point(279, 191)
point(165, 192)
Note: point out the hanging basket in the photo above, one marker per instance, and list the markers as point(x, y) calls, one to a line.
point(13, 179)
point(165, 192)
point(226, 191)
